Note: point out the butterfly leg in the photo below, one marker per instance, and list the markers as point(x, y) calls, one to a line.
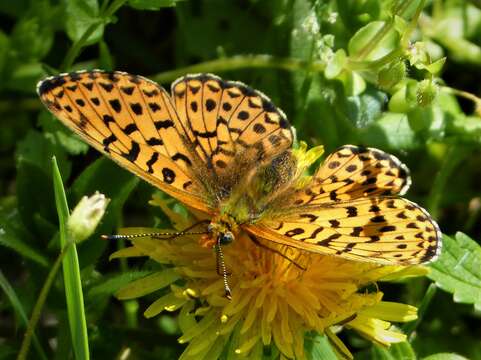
point(275, 251)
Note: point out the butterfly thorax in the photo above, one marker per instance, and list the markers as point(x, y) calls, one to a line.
point(258, 188)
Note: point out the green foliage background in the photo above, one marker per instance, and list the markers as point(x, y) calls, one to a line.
point(402, 76)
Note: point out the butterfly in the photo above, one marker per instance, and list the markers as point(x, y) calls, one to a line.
point(224, 149)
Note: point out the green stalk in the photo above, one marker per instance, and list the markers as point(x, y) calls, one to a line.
point(241, 62)
point(78, 46)
point(37, 309)
point(17, 305)
point(451, 159)
point(428, 296)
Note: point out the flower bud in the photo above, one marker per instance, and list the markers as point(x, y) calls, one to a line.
point(86, 216)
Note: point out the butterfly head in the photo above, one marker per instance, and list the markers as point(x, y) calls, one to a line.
point(222, 230)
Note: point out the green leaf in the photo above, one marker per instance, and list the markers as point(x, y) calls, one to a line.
point(59, 135)
point(32, 38)
point(391, 131)
point(436, 66)
point(71, 271)
point(457, 269)
point(13, 235)
point(4, 52)
point(109, 285)
point(336, 64)
point(148, 284)
point(218, 30)
point(465, 128)
point(34, 179)
point(364, 37)
point(397, 351)
point(445, 356)
point(152, 4)
point(25, 77)
point(80, 15)
point(362, 110)
point(318, 347)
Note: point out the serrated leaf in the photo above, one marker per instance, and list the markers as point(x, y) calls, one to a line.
point(457, 270)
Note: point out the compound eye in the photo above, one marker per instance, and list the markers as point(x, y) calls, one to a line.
point(226, 238)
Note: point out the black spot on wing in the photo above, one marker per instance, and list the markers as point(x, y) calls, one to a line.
point(133, 152)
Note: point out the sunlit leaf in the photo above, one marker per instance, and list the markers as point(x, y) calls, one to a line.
point(457, 269)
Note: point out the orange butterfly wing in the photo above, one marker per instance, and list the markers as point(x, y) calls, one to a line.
point(132, 120)
point(350, 209)
point(229, 122)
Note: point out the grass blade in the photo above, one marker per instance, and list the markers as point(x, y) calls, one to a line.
point(71, 271)
point(17, 305)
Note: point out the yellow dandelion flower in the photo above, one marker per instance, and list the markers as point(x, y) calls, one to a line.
point(275, 299)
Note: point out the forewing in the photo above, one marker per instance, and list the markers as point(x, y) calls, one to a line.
point(130, 119)
point(229, 122)
point(353, 172)
point(386, 230)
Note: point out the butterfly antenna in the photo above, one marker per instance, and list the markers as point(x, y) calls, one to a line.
point(221, 269)
point(157, 235)
point(171, 235)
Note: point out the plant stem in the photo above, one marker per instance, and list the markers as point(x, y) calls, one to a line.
point(464, 94)
point(112, 9)
point(428, 296)
point(78, 46)
point(451, 159)
point(241, 62)
point(16, 304)
point(37, 310)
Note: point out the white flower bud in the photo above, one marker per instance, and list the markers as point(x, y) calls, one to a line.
point(86, 216)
